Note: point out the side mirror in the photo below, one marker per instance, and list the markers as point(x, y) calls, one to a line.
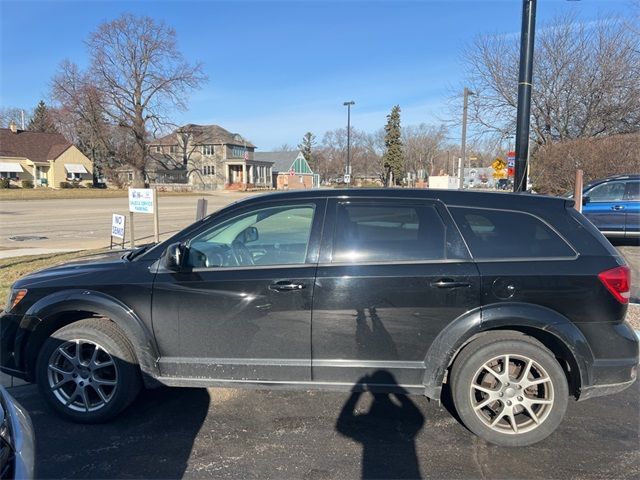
point(173, 257)
point(585, 200)
point(249, 234)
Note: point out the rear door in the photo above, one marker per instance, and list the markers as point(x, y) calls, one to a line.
point(605, 208)
point(392, 275)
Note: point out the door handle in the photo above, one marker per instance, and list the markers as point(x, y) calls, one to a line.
point(286, 286)
point(445, 283)
point(617, 207)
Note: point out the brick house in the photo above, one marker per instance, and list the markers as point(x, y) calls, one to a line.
point(290, 170)
point(207, 156)
point(45, 159)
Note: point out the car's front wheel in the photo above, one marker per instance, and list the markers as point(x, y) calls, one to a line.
point(87, 371)
point(509, 389)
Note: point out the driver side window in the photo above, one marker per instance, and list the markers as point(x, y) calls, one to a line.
point(269, 236)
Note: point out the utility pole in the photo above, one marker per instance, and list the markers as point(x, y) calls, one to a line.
point(347, 172)
point(465, 107)
point(524, 94)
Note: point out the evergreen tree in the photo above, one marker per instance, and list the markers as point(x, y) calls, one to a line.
point(308, 142)
point(42, 121)
point(393, 158)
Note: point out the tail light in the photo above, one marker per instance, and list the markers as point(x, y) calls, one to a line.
point(618, 282)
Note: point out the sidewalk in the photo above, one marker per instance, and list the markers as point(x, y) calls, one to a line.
point(22, 252)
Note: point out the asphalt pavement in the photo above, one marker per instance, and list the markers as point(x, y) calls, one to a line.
point(228, 433)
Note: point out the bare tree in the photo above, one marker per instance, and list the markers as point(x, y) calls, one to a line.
point(553, 172)
point(139, 77)
point(14, 114)
point(585, 81)
point(365, 154)
point(422, 146)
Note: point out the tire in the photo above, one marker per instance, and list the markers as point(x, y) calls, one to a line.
point(87, 371)
point(516, 410)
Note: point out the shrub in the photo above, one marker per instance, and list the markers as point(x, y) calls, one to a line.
point(65, 185)
point(5, 183)
point(27, 184)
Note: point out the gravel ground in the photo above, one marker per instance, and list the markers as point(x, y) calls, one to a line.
point(633, 315)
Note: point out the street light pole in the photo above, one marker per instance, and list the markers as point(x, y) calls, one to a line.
point(465, 107)
point(524, 93)
point(348, 170)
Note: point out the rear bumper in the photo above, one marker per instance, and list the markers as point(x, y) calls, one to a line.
point(602, 390)
point(616, 358)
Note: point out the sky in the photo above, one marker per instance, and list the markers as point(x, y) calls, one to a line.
point(279, 69)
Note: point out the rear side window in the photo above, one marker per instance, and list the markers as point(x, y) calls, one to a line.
point(633, 191)
point(370, 233)
point(505, 234)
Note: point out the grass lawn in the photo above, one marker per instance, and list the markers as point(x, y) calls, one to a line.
point(65, 193)
point(11, 269)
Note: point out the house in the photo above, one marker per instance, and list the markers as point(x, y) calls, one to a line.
point(45, 159)
point(290, 170)
point(209, 157)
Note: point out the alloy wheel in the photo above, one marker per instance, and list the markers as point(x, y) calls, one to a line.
point(82, 375)
point(512, 394)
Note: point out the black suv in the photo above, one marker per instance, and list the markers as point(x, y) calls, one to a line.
point(512, 303)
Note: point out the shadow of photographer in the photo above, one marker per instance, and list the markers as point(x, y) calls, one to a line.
point(387, 430)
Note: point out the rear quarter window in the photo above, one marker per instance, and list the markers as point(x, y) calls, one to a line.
point(505, 234)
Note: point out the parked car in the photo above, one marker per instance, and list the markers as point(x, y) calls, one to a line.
point(512, 302)
point(613, 205)
point(16, 440)
point(504, 184)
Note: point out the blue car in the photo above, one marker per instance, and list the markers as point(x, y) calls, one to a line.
point(613, 205)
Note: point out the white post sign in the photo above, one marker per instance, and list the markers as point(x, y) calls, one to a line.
point(141, 200)
point(117, 226)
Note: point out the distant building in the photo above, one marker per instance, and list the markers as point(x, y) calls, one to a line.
point(45, 159)
point(479, 177)
point(207, 156)
point(290, 170)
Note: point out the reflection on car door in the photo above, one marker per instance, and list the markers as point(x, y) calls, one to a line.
point(392, 275)
point(241, 310)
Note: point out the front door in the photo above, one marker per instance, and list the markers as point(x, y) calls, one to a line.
point(392, 275)
point(240, 309)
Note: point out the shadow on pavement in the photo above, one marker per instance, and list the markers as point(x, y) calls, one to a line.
point(151, 439)
point(387, 431)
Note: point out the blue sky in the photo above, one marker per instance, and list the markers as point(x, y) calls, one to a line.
point(279, 69)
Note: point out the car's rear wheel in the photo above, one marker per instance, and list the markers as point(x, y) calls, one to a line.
point(87, 371)
point(509, 389)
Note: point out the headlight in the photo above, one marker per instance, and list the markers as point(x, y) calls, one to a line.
point(15, 298)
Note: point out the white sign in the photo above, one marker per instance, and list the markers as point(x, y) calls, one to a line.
point(141, 200)
point(347, 178)
point(117, 226)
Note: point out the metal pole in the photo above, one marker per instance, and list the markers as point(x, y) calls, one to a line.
point(465, 107)
point(348, 139)
point(348, 105)
point(156, 216)
point(524, 93)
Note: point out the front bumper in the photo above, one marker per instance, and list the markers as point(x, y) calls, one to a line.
point(13, 337)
